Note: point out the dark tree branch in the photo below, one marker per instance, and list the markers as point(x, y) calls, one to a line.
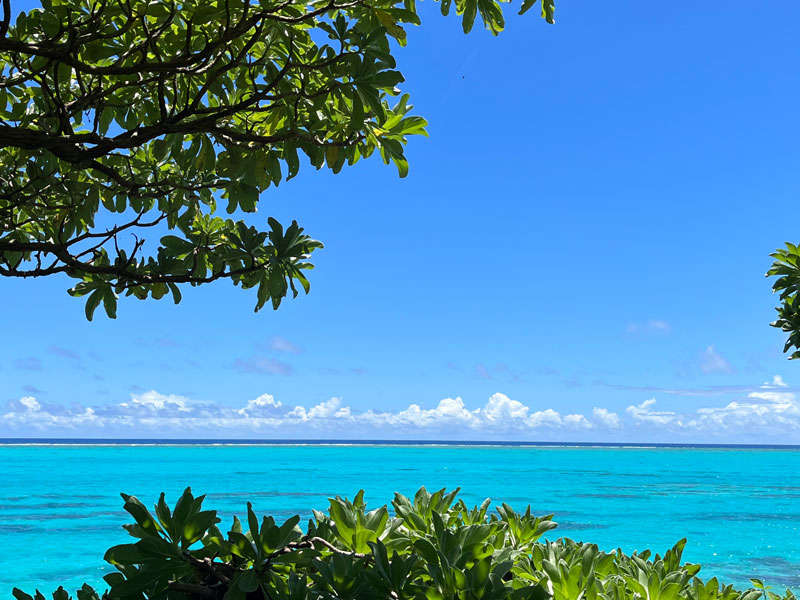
point(332, 548)
point(207, 564)
point(310, 542)
point(193, 589)
point(6, 18)
point(125, 276)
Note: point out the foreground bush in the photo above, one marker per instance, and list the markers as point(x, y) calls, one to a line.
point(434, 548)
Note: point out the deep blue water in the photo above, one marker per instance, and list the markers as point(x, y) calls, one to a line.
point(738, 506)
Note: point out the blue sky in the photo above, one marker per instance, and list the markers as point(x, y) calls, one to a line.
point(577, 254)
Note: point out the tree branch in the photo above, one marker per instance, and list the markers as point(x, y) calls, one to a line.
point(193, 589)
point(6, 18)
point(125, 276)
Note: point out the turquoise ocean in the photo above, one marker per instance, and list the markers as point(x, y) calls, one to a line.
point(739, 507)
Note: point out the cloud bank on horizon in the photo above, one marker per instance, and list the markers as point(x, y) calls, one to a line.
point(760, 415)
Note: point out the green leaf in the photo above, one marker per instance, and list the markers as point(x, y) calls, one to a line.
point(180, 245)
point(470, 11)
point(388, 79)
point(357, 112)
point(197, 525)
point(50, 23)
point(252, 521)
point(123, 554)
point(183, 510)
point(176, 293)
point(160, 148)
point(402, 166)
point(241, 546)
point(548, 10)
point(247, 581)
point(526, 6)
point(61, 594)
point(391, 25)
point(109, 303)
point(157, 547)
point(140, 514)
point(244, 195)
point(92, 302)
point(292, 160)
point(87, 592)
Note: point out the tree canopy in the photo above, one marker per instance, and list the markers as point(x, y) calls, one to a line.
point(120, 118)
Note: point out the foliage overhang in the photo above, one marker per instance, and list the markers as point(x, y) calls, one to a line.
point(123, 117)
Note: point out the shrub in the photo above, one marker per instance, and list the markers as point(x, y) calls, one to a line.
point(434, 548)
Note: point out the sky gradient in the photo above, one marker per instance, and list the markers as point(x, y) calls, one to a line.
point(577, 254)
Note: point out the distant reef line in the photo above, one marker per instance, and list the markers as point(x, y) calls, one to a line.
point(376, 442)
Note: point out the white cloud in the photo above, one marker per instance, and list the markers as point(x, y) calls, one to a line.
point(155, 402)
point(264, 403)
point(769, 411)
point(450, 412)
point(713, 362)
point(770, 407)
point(156, 413)
point(542, 418)
point(644, 413)
point(31, 403)
point(773, 396)
point(577, 421)
point(30, 413)
point(606, 418)
point(777, 381)
point(330, 409)
point(502, 409)
point(765, 413)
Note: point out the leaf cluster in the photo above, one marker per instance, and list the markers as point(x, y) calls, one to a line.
point(787, 270)
point(122, 117)
point(435, 547)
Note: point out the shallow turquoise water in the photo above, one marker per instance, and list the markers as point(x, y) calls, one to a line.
point(739, 508)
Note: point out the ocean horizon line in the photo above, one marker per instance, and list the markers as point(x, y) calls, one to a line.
point(43, 441)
